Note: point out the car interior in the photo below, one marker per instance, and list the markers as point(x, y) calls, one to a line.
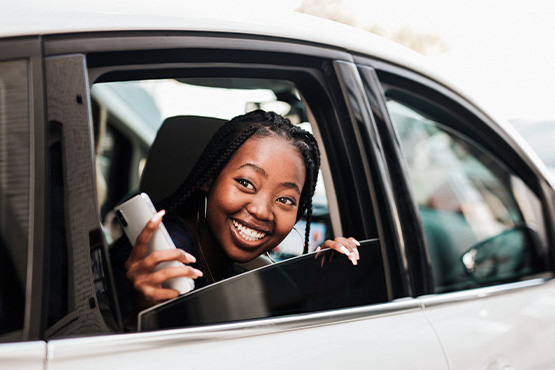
point(153, 152)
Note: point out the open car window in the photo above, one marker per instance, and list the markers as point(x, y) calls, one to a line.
point(128, 114)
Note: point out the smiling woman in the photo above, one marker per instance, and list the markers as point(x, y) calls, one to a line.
point(253, 182)
point(254, 201)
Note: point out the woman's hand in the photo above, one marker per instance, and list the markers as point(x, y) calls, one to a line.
point(346, 246)
point(146, 282)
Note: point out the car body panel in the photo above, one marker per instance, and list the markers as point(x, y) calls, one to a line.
point(504, 327)
point(357, 338)
point(20, 356)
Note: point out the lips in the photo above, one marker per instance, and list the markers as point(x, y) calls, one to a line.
point(247, 233)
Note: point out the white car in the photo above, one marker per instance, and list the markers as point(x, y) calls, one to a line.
point(456, 219)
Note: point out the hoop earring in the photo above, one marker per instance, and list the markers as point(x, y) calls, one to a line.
point(298, 232)
point(270, 257)
point(205, 205)
point(202, 205)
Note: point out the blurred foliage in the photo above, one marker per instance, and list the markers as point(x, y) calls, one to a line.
point(424, 43)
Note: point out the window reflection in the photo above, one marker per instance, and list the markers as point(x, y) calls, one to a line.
point(465, 195)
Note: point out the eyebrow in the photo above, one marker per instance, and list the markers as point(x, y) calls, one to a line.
point(260, 170)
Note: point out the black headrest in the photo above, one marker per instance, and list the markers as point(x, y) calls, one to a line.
point(177, 147)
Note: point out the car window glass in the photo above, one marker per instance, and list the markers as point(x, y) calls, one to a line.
point(127, 116)
point(479, 218)
point(14, 194)
point(304, 284)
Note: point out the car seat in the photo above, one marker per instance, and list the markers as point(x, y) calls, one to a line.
point(176, 148)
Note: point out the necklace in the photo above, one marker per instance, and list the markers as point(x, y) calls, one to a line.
point(205, 261)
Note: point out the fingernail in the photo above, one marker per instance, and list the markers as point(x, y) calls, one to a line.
point(353, 259)
point(317, 249)
point(357, 242)
point(198, 272)
point(355, 250)
point(345, 250)
point(158, 216)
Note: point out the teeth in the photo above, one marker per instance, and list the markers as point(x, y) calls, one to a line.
point(248, 234)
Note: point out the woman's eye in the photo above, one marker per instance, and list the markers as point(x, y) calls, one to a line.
point(288, 201)
point(246, 183)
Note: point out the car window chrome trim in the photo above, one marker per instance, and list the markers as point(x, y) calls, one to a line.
point(104, 345)
point(434, 300)
point(126, 41)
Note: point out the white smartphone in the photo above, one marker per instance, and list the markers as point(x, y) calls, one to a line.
point(133, 216)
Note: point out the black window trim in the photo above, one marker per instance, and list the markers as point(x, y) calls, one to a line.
point(419, 265)
point(162, 40)
point(374, 170)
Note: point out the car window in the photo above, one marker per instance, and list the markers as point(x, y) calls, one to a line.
point(127, 116)
point(482, 223)
point(14, 194)
point(309, 283)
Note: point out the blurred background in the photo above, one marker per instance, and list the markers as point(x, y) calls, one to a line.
point(502, 52)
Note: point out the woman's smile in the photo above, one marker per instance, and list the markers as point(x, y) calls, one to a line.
point(247, 233)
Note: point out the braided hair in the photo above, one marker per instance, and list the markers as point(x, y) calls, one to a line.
point(227, 140)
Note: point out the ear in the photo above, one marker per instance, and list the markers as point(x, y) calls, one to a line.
point(205, 188)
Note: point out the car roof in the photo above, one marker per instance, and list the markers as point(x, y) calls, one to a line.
point(21, 19)
point(34, 17)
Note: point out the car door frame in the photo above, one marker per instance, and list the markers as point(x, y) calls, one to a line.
point(347, 81)
point(343, 84)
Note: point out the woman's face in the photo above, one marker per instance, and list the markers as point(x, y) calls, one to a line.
point(253, 203)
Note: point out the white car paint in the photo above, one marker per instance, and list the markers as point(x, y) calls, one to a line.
point(497, 329)
point(374, 342)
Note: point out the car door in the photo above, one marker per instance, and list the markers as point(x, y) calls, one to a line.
point(385, 330)
point(21, 202)
point(486, 214)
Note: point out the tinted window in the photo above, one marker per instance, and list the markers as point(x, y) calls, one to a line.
point(309, 283)
point(479, 218)
point(14, 192)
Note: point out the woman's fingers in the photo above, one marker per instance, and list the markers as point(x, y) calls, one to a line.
point(139, 248)
point(165, 274)
point(154, 258)
point(148, 283)
point(346, 246)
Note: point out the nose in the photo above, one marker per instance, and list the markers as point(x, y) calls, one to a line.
point(260, 207)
